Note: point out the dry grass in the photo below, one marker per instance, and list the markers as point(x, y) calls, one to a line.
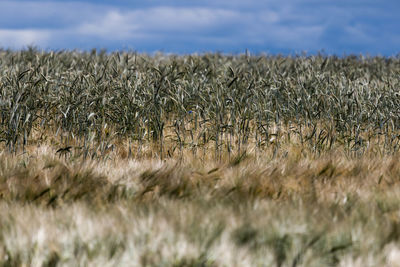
point(288, 211)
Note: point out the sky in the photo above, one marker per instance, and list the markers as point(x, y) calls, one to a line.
point(340, 27)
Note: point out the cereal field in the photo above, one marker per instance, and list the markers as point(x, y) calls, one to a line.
point(128, 159)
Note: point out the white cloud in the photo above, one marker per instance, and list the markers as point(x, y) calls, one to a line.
point(20, 38)
point(200, 24)
point(286, 24)
point(145, 22)
point(186, 19)
point(113, 25)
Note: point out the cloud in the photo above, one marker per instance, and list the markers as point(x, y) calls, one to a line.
point(189, 26)
point(203, 25)
point(113, 25)
point(147, 22)
point(21, 38)
point(183, 19)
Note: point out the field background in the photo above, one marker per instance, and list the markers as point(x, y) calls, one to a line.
point(199, 160)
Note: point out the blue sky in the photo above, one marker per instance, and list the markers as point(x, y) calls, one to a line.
point(286, 26)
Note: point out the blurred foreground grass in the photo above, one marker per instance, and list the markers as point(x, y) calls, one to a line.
point(289, 211)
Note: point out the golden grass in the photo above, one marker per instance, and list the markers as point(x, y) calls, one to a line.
point(44, 175)
point(283, 209)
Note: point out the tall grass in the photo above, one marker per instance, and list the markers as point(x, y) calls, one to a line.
point(93, 100)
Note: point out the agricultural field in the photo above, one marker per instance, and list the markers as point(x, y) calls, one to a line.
point(129, 159)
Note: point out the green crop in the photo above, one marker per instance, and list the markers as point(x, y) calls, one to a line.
point(197, 101)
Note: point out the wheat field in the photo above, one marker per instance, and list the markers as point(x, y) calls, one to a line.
point(128, 159)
